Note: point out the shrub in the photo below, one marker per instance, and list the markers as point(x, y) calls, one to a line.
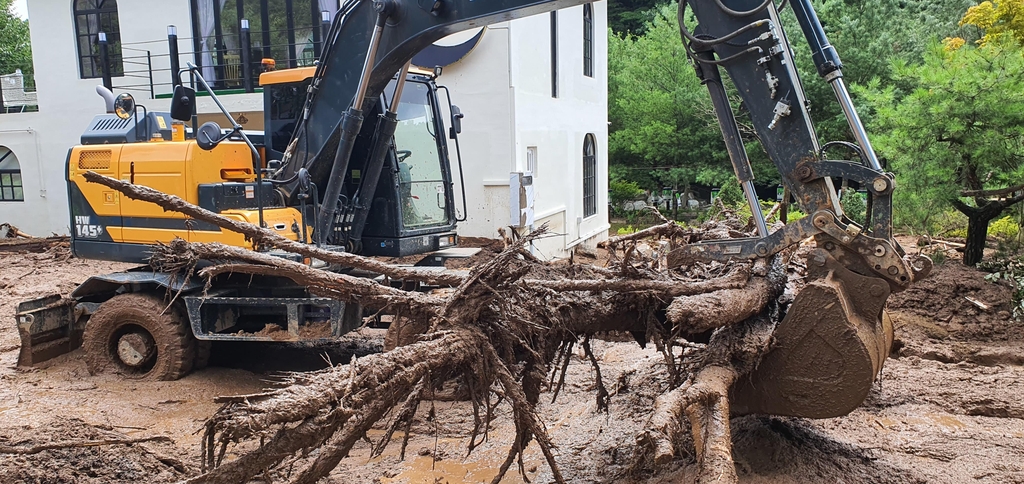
point(948, 223)
point(629, 229)
point(743, 212)
point(1005, 228)
point(620, 192)
point(854, 204)
point(731, 194)
point(1010, 270)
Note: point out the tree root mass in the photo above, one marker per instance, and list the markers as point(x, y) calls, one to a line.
point(506, 331)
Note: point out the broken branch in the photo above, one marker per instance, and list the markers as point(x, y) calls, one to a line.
point(78, 444)
point(263, 236)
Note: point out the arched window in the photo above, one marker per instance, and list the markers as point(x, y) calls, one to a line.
point(10, 177)
point(91, 18)
point(589, 175)
point(588, 40)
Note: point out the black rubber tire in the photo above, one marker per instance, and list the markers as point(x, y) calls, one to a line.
point(203, 349)
point(175, 345)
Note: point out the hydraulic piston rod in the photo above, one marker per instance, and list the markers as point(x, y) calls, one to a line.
point(831, 69)
point(351, 123)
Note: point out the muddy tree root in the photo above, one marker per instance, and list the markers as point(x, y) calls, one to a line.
point(701, 312)
point(79, 444)
point(734, 350)
point(265, 237)
point(499, 330)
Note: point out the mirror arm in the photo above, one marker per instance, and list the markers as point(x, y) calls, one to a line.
point(257, 164)
point(135, 117)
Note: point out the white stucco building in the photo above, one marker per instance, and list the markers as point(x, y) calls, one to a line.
point(533, 91)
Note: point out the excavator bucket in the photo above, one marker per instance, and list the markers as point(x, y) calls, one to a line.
point(47, 327)
point(828, 349)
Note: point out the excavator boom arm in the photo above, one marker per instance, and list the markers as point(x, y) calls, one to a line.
point(371, 41)
point(834, 337)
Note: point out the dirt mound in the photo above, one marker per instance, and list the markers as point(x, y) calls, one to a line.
point(488, 249)
point(945, 300)
point(956, 316)
point(775, 449)
point(25, 456)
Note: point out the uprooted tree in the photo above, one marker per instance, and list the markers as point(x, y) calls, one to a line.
point(502, 331)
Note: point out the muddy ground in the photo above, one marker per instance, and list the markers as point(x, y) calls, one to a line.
point(949, 407)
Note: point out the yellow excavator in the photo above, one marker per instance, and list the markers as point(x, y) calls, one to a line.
point(358, 161)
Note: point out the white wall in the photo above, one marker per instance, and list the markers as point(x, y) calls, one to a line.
point(557, 126)
point(503, 87)
point(480, 86)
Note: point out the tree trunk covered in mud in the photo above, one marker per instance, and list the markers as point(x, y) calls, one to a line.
point(499, 330)
point(978, 219)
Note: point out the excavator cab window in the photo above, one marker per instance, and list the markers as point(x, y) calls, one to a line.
point(285, 106)
point(421, 180)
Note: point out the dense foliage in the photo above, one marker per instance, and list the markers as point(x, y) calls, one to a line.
point(15, 49)
point(946, 115)
point(868, 34)
point(953, 122)
point(630, 16)
point(997, 20)
point(663, 131)
point(953, 125)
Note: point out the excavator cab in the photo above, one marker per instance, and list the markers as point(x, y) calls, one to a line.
point(410, 209)
point(396, 200)
point(415, 203)
point(284, 93)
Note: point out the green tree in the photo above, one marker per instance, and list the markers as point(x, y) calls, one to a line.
point(631, 16)
point(954, 134)
point(732, 194)
point(15, 45)
point(663, 132)
point(997, 19)
point(868, 34)
point(620, 192)
point(853, 204)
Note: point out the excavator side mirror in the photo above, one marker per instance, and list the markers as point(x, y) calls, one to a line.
point(456, 128)
point(124, 106)
point(209, 136)
point(183, 103)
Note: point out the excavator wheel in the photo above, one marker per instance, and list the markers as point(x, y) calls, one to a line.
point(203, 350)
point(139, 337)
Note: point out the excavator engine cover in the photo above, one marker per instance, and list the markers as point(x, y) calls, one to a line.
point(828, 349)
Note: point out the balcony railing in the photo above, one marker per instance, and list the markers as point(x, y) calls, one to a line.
point(233, 67)
point(14, 96)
